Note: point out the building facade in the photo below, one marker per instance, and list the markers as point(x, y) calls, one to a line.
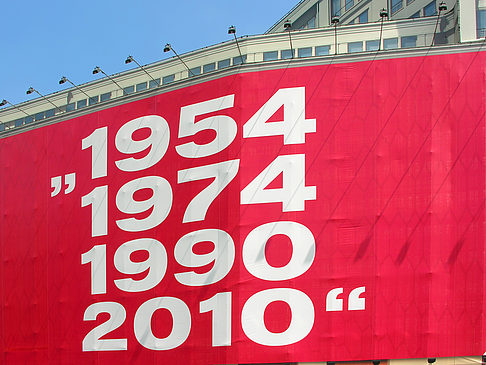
point(311, 195)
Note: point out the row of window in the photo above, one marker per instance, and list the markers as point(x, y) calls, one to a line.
point(126, 91)
point(353, 47)
point(64, 108)
point(388, 43)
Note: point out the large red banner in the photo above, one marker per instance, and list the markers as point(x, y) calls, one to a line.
point(322, 213)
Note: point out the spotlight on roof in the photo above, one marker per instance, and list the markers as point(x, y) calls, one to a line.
point(30, 90)
point(232, 30)
point(335, 19)
point(442, 6)
point(3, 102)
point(383, 13)
point(130, 59)
point(431, 360)
point(62, 80)
point(96, 70)
point(168, 48)
point(287, 25)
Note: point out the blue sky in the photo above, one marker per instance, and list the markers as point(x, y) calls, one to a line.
point(43, 40)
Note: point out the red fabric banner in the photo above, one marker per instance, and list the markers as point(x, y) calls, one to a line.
point(322, 213)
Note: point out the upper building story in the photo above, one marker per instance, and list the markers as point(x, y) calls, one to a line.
point(311, 39)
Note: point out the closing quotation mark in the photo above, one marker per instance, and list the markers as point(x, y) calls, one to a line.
point(69, 181)
point(355, 303)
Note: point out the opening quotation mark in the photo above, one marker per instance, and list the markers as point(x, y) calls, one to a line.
point(69, 181)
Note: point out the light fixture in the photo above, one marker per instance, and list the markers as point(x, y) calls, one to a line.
point(64, 79)
point(97, 69)
point(383, 14)
point(442, 7)
point(31, 90)
point(431, 360)
point(131, 59)
point(287, 27)
point(5, 102)
point(232, 30)
point(168, 48)
point(335, 21)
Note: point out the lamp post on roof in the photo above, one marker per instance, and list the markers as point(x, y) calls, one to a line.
point(288, 26)
point(131, 59)
point(168, 48)
point(64, 79)
point(335, 22)
point(97, 69)
point(442, 7)
point(31, 90)
point(383, 15)
point(5, 102)
point(232, 30)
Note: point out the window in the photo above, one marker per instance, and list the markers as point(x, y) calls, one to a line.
point(140, 87)
point(128, 90)
point(270, 56)
point(409, 41)
point(106, 96)
point(39, 116)
point(305, 52)
point(81, 104)
point(154, 83)
point(50, 113)
point(2, 127)
point(390, 43)
point(70, 107)
point(430, 9)
point(19, 122)
point(238, 60)
point(372, 45)
point(354, 47)
point(349, 4)
point(481, 16)
point(287, 53)
point(168, 79)
point(311, 23)
point(95, 99)
point(195, 71)
point(363, 17)
point(415, 15)
point(396, 5)
point(336, 7)
point(322, 50)
point(224, 63)
point(209, 67)
point(29, 119)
